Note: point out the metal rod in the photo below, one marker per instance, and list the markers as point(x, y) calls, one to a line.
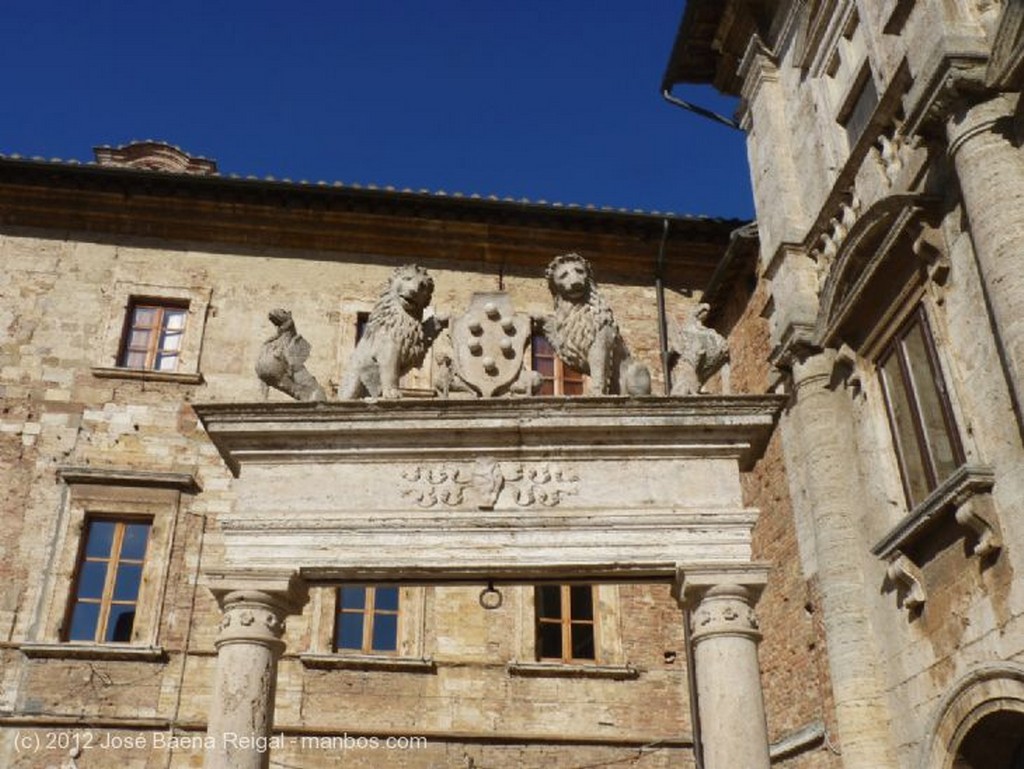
point(667, 96)
point(659, 287)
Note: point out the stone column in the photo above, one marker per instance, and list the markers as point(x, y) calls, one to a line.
point(730, 702)
point(817, 435)
point(990, 169)
point(248, 647)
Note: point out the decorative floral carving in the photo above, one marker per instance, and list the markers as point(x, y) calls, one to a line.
point(486, 482)
point(726, 611)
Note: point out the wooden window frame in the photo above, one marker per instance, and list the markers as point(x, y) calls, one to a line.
point(154, 350)
point(566, 622)
point(369, 613)
point(114, 561)
point(895, 347)
point(562, 374)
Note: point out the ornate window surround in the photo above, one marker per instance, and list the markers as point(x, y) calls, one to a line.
point(125, 494)
point(196, 299)
point(891, 263)
point(409, 657)
point(610, 661)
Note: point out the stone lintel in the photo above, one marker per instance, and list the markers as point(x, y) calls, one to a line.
point(499, 573)
point(277, 433)
point(112, 476)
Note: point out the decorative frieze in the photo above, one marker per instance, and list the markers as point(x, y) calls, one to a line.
point(485, 481)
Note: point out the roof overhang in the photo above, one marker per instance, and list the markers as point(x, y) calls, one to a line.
point(251, 216)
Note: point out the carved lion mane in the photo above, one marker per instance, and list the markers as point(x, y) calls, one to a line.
point(584, 333)
point(395, 339)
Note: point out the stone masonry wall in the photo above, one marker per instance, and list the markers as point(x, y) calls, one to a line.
point(54, 318)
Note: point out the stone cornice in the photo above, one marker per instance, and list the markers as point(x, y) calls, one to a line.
point(955, 71)
point(608, 427)
point(109, 476)
point(967, 482)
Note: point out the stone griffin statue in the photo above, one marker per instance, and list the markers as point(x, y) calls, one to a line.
point(696, 353)
point(396, 338)
point(584, 333)
point(281, 364)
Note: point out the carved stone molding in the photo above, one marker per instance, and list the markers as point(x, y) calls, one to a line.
point(907, 577)
point(485, 481)
point(977, 513)
point(966, 496)
point(845, 368)
point(725, 610)
point(251, 616)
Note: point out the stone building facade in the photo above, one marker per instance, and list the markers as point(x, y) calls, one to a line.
point(422, 582)
point(884, 140)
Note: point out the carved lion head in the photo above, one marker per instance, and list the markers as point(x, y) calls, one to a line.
point(413, 287)
point(570, 277)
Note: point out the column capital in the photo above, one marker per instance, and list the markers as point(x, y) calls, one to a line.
point(974, 119)
point(692, 584)
point(254, 605)
point(725, 610)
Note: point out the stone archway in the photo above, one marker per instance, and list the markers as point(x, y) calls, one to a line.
point(980, 723)
point(995, 742)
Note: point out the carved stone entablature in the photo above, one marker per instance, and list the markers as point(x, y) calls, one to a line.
point(966, 496)
point(484, 482)
point(908, 580)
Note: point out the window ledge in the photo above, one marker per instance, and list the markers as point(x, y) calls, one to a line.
point(964, 495)
point(368, 662)
point(94, 651)
point(146, 375)
point(570, 670)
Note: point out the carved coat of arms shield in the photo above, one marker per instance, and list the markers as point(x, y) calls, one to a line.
point(488, 343)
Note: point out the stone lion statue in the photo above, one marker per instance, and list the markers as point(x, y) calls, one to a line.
point(396, 337)
point(282, 360)
point(696, 353)
point(584, 333)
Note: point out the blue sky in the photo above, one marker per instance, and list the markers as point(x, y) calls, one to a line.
point(555, 100)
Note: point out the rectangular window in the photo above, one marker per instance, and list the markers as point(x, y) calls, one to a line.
point(860, 107)
point(556, 377)
point(927, 445)
point(367, 619)
point(153, 335)
point(565, 623)
point(107, 581)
